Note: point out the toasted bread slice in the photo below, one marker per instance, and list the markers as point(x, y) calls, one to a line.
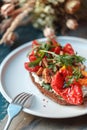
point(53, 96)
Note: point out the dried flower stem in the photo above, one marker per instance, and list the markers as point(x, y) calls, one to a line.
point(26, 10)
point(5, 24)
point(54, 14)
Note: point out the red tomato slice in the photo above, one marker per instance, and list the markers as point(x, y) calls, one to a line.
point(31, 69)
point(57, 49)
point(68, 49)
point(34, 43)
point(32, 56)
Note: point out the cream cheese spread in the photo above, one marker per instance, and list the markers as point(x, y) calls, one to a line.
point(37, 78)
point(40, 81)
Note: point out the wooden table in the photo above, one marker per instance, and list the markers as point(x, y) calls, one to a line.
point(26, 121)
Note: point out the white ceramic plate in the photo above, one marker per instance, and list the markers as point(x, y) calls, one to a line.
point(15, 79)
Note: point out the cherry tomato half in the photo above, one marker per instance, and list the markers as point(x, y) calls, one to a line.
point(57, 49)
point(31, 69)
point(32, 56)
point(68, 49)
point(34, 43)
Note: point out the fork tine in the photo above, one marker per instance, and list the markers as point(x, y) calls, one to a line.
point(17, 97)
point(21, 98)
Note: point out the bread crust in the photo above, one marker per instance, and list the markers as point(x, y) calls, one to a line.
point(53, 96)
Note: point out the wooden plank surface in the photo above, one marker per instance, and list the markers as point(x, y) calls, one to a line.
point(18, 122)
point(25, 121)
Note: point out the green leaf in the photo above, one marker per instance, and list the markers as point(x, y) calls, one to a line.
point(76, 75)
point(46, 86)
point(45, 46)
point(37, 61)
point(66, 59)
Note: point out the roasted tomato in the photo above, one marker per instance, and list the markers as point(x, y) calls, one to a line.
point(68, 49)
point(72, 94)
point(66, 71)
point(31, 69)
point(57, 81)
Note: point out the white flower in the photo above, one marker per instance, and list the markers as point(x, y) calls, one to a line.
point(55, 2)
point(49, 32)
point(48, 9)
point(72, 24)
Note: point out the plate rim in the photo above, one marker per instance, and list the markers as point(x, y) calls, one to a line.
point(22, 47)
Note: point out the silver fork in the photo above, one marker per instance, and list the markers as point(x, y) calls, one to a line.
point(16, 106)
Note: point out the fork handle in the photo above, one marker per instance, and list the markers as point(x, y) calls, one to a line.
point(13, 110)
point(8, 123)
